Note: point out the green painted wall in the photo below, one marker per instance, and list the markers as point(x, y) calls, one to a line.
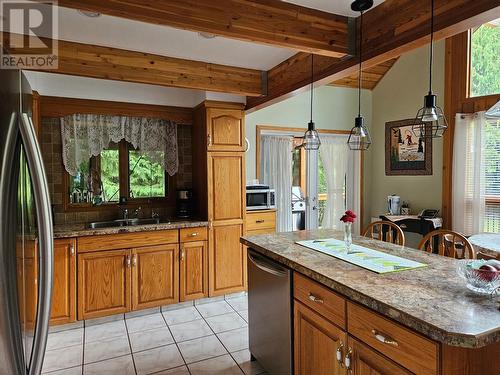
point(398, 96)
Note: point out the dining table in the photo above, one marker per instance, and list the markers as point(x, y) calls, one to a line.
point(486, 244)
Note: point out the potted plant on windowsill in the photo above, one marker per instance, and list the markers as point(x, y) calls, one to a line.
point(348, 219)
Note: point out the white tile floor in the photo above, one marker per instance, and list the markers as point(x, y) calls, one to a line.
point(203, 339)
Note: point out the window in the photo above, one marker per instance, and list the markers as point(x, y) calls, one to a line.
point(492, 177)
point(99, 181)
point(484, 61)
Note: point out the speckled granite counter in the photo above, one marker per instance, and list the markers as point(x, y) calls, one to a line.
point(80, 230)
point(432, 300)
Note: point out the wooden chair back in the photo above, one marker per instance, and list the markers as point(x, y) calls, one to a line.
point(385, 231)
point(449, 243)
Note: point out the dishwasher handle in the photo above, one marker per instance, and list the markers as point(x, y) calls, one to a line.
point(267, 266)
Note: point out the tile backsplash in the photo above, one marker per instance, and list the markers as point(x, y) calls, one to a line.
point(51, 146)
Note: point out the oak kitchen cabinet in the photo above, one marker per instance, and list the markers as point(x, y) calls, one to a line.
point(124, 272)
point(219, 185)
point(193, 264)
point(334, 336)
point(64, 285)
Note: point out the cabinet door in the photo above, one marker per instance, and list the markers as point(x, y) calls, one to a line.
point(64, 285)
point(367, 361)
point(103, 283)
point(194, 270)
point(226, 130)
point(155, 276)
point(227, 259)
point(226, 186)
point(316, 343)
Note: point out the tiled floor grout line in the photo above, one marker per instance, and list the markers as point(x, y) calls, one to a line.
point(175, 342)
point(227, 351)
point(130, 345)
point(83, 349)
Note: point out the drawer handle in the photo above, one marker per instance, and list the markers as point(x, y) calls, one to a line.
point(313, 298)
point(386, 340)
point(134, 261)
point(127, 261)
point(347, 360)
point(339, 354)
point(259, 221)
point(193, 234)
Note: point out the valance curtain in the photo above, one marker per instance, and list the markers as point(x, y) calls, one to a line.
point(334, 155)
point(86, 135)
point(469, 173)
point(276, 171)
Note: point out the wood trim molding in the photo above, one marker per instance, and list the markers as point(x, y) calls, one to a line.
point(54, 106)
point(457, 101)
point(269, 22)
point(259, 129)
point(392, 28)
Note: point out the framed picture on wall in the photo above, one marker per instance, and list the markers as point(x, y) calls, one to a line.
point(405, 153)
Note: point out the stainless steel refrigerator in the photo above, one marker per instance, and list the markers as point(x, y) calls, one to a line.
point(26, 250)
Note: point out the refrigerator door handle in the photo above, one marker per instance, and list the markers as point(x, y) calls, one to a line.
point(45, 241)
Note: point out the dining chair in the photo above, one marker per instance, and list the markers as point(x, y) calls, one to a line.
point(449, 243)
point(385, 231)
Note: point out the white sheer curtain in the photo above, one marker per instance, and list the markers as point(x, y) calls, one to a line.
point(334, 155)
point(86, 135)
point(276, 171)
point(468, 173)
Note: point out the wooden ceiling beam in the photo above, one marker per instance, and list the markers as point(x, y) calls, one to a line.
point(116, 64)
point(271, 22)
point(370, 77)
point(390, 29)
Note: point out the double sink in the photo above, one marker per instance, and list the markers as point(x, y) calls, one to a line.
point(123, 223)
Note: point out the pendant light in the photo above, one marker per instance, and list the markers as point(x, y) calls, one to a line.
point(430, 121)
point(359, 138)
point(311, 139)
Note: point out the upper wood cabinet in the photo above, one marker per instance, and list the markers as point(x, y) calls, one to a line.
point(193, 270)
point(103, 283)
point(316, 344)
point(226, 186)
point(64, 285)
point(225, 130)
point(367, 361)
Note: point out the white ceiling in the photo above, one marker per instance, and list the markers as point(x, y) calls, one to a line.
point(342, 7)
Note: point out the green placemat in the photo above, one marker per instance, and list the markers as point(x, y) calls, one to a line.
point(370, 259)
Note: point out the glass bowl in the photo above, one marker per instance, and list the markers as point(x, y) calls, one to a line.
point(477, 280)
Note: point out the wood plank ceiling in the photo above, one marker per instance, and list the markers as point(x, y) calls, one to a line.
point(390, 29)
point(370, 77)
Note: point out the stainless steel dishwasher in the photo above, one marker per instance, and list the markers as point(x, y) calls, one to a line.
point(270, 314)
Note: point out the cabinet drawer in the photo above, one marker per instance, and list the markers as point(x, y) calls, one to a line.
point(320, 299)
point(127, 240)
point(193, 234)
point(261, 231)
point(411, 350)
point(260, 220)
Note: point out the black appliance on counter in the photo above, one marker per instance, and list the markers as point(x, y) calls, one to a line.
point(184, 204)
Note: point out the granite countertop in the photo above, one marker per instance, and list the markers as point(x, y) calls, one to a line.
point(80, 230)
point(433, 300)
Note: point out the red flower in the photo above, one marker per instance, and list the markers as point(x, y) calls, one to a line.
point(348, 217)
point(351, 214)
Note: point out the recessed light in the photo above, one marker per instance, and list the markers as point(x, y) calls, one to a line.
point(87, 13)
point(207, 35)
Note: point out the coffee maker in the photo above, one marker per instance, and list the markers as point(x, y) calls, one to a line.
point(184, 203)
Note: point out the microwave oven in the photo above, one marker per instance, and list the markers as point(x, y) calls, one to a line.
point(260, 197)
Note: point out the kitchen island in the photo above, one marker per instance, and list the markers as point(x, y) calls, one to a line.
point(416, 321)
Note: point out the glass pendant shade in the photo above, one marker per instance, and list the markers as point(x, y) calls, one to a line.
point(359, 138)
point(311, 138)
point(430, 121)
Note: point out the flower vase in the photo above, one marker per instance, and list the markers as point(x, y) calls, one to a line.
point(348, 235)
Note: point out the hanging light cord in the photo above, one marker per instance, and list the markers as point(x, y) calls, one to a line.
point(359, 75)
point(431, 47)
point(312, 83)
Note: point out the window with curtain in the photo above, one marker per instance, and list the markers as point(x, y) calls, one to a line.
point(476, 174)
